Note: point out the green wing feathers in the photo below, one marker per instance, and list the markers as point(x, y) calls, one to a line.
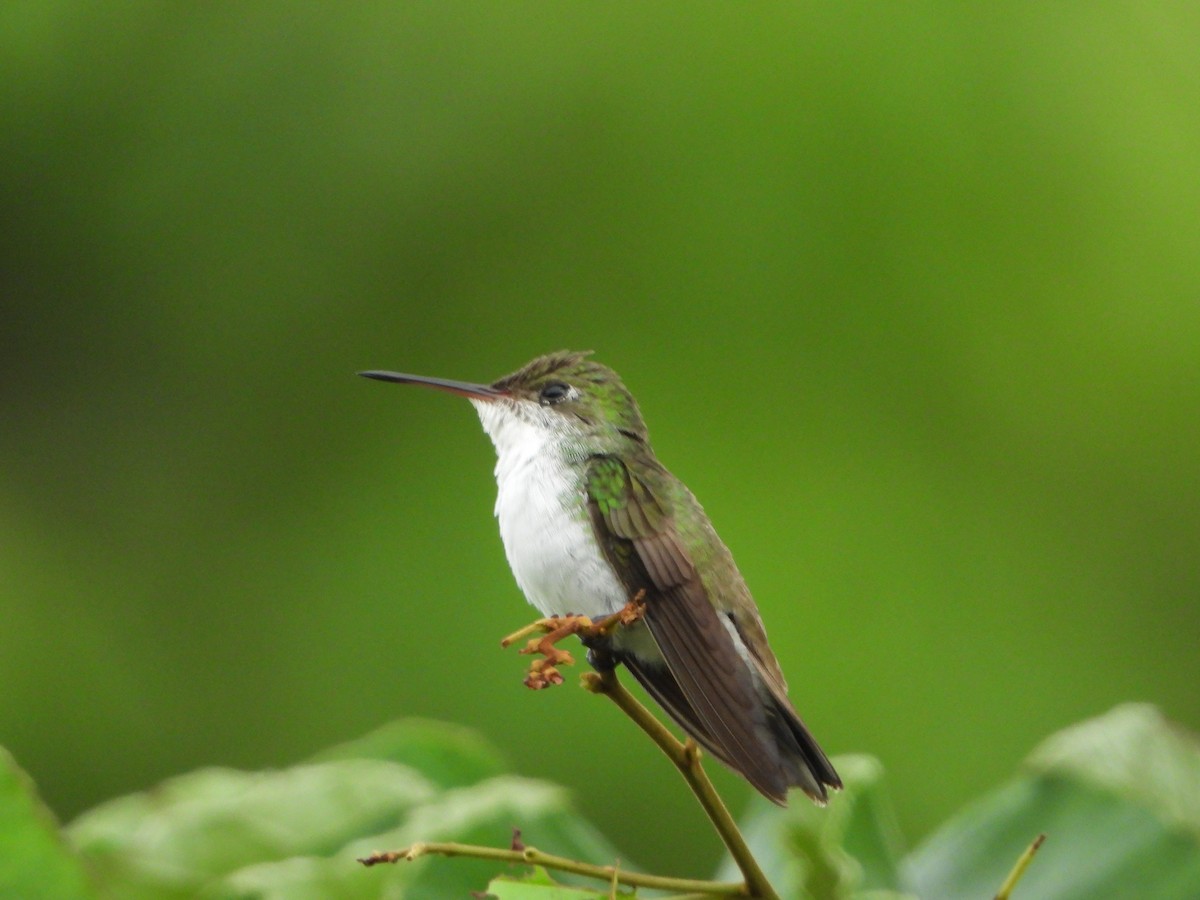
point(705, 685)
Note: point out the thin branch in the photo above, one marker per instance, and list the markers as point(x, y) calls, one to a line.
point(1018, 870)
point(686, 757)
point(533, 856)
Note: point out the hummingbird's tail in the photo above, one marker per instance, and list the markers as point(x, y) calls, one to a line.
point(808, 767)
point(790, 755)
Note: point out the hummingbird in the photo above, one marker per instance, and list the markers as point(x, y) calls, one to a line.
point(590, 519)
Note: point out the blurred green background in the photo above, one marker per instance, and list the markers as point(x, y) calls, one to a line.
point(910, 296)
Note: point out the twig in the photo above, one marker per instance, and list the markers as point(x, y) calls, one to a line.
point(1018, 870)
point(686, 757)
point(533, 856)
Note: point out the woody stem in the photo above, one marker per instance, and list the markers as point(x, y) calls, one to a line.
point(686, 757)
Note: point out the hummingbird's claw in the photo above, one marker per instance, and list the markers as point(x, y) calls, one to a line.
point(627, 615)
point(544, 672)
point(542, 675)
point(540, 625)
point(634, 610)
point(545, 646)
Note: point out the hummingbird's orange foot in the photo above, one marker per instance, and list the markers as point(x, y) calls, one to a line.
point(634, 610)
point(544, 672)
point(545, 646)
point(631, 612)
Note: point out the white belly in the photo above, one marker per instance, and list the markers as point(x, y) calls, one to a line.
point(544, 524)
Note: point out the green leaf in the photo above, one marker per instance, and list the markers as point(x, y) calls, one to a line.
point(1116, 797)
point(189, 830)
point(539, 885)
point(447, 755)
point(34, 860)
point(849, 849)
point(298, 832)
point(482, 814)
point(1133, 752)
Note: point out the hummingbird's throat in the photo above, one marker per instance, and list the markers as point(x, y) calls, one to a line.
point(521, 426)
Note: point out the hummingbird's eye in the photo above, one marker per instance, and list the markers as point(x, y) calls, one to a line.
point(554, 392)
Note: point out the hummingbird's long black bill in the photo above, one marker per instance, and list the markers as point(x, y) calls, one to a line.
point(461, 388)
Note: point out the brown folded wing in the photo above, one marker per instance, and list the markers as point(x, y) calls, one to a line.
point(705, 684)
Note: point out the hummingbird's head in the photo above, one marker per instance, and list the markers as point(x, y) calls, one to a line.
point(569, 390)
point(563, 394)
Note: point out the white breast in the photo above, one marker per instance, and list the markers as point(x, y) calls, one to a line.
point(543, 518)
